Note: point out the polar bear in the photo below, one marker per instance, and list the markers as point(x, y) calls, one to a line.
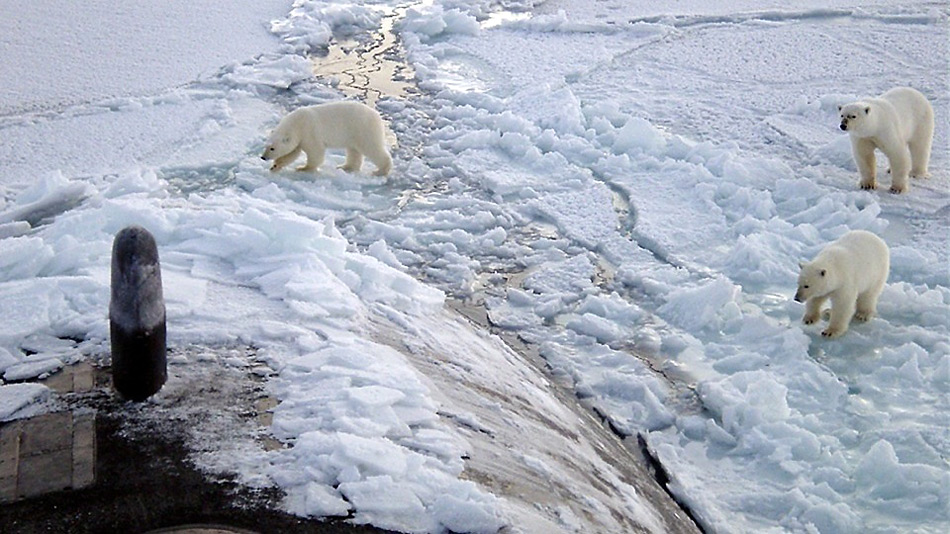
point(901, 124)
point(851, 272)
point(351, 125)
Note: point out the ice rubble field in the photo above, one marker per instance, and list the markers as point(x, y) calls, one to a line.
point(628, 186)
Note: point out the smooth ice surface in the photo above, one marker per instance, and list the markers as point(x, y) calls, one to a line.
point(67, 56)
point(628, 187)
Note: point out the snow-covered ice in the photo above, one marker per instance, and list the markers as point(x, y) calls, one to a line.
point(626, 188)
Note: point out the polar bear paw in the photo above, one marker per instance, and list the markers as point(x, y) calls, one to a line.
point(832, 332)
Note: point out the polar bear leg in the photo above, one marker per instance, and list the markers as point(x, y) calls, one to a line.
point(380, 158)
point(920, 146)
point(354, 160)
point(376, 152)
point(283, 161)
point(383, 167)
point(866, 305)
point(863, 151)
point(899, 158)
point(842, 310)
point(813, 309)
point(314, 159)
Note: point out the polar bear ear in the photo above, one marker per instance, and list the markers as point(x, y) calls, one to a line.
point(867, 109)
point(823, 272)
point(839, 108)
point(801, 264)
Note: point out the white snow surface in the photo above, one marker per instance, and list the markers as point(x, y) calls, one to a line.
point(628, 187)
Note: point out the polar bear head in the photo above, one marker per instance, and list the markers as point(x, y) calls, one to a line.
point(856, 117)
point(279, 144)
point(816, 279)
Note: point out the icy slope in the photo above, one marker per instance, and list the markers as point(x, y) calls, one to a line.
point(651, 193)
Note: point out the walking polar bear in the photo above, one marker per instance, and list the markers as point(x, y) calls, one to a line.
point(312, 130)
point(901, 124)
point(851, 272)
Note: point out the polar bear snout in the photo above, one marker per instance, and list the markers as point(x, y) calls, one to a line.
point(844, 125)
point(798, 296)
